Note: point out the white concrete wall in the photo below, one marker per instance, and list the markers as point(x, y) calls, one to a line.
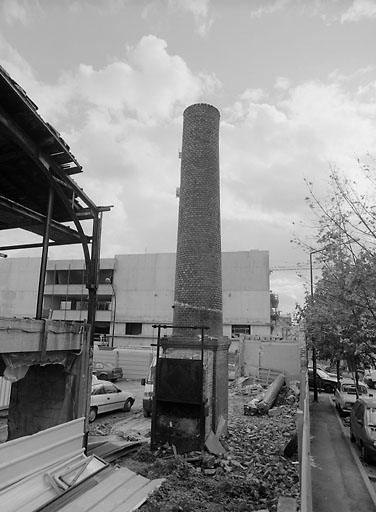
point(19, 279)
point(246, 288)
point(144, 285)
point(273, 355)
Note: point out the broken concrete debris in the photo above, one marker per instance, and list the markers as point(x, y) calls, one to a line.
point(252, 471)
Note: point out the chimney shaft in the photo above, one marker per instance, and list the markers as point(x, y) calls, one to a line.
point(198, 279)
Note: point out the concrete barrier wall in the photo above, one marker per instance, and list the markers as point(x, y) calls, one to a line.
point(134, 362)
point(305, 448)
point(283, 357)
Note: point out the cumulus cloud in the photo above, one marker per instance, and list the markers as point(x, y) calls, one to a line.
point(123, 122)
point(18, 11)
point(269, 147)
point(200, 11)
point(359, 10)
point(269, 8)
point(281, 82)
point(149, 84)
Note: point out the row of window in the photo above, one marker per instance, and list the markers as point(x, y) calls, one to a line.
point(82, 305)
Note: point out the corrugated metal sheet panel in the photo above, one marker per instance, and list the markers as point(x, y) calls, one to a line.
point(5, 386)
point(22, 457)
point(39, 488)
point(122, 491)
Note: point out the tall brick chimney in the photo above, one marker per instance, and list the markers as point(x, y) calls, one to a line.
point(191, 393)
point(198, 278)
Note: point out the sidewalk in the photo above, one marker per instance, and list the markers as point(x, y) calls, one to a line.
point(339, 482)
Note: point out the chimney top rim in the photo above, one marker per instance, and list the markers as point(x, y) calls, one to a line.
point(200, 105)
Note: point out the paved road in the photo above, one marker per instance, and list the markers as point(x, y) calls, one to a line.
point(339, 483)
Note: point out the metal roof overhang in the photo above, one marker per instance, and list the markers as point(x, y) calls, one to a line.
point(34, 160)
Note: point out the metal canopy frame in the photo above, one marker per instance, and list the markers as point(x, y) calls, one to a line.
point(37, 193)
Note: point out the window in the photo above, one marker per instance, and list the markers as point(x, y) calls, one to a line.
point(97, 390)
point(237, 330)
point(133, 328)
point(110, 388)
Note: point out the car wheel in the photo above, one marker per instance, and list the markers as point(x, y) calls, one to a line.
point(352, 437)
point(328, 388)
point(92, 414)
point(146, 413)
point(103, 376)
point(127, 405)
point(340, 411)
point(365, 455)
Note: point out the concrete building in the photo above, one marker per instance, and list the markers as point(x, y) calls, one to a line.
point(135, 291)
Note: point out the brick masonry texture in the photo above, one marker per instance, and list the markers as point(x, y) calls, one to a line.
point(198, 278)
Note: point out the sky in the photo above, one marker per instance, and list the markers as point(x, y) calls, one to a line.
point(294, 81)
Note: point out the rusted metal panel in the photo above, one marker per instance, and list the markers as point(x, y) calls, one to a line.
point(5, 387)
point(22, 457)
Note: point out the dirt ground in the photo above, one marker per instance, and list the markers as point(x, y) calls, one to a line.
point(250, 476)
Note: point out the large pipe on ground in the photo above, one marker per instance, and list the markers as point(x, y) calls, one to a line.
point(271, 394)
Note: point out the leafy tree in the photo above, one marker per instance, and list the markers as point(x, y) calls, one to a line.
point(341, 315)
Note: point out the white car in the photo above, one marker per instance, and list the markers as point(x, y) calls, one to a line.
point(106, 397)
point(345, 395)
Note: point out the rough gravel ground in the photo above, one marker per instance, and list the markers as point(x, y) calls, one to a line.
point(250, 476)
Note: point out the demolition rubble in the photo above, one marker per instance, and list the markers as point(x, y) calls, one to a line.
point(257, 465)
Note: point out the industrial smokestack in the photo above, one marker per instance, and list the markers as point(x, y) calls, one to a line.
point(198, 278)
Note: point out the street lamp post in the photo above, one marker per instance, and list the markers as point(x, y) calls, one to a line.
point(109, 281)
point(314, 363)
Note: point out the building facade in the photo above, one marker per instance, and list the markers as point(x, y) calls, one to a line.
point(135, 292)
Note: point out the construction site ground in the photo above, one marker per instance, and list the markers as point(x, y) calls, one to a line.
point(250, 475)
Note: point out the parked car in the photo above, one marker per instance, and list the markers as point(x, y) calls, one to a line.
point(330, 371)
point(363, 426)
point(106, 397)
point(345, 395)
point(107, 371)
point(324, 381)
point(370, 377)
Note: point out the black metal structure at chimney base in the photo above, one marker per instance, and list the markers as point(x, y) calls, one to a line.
point(179, 394)
point(192, 374)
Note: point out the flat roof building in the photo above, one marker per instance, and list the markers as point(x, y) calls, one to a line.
point(135, 292)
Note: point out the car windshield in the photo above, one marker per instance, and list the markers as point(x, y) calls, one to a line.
point(351, 390)
point(371, 416)
point(323, 374)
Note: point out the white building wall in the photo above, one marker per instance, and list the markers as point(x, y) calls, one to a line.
point(19, 279)
point(144, 285)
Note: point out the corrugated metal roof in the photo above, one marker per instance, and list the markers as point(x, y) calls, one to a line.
point(122, 491)
point(48, 471)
